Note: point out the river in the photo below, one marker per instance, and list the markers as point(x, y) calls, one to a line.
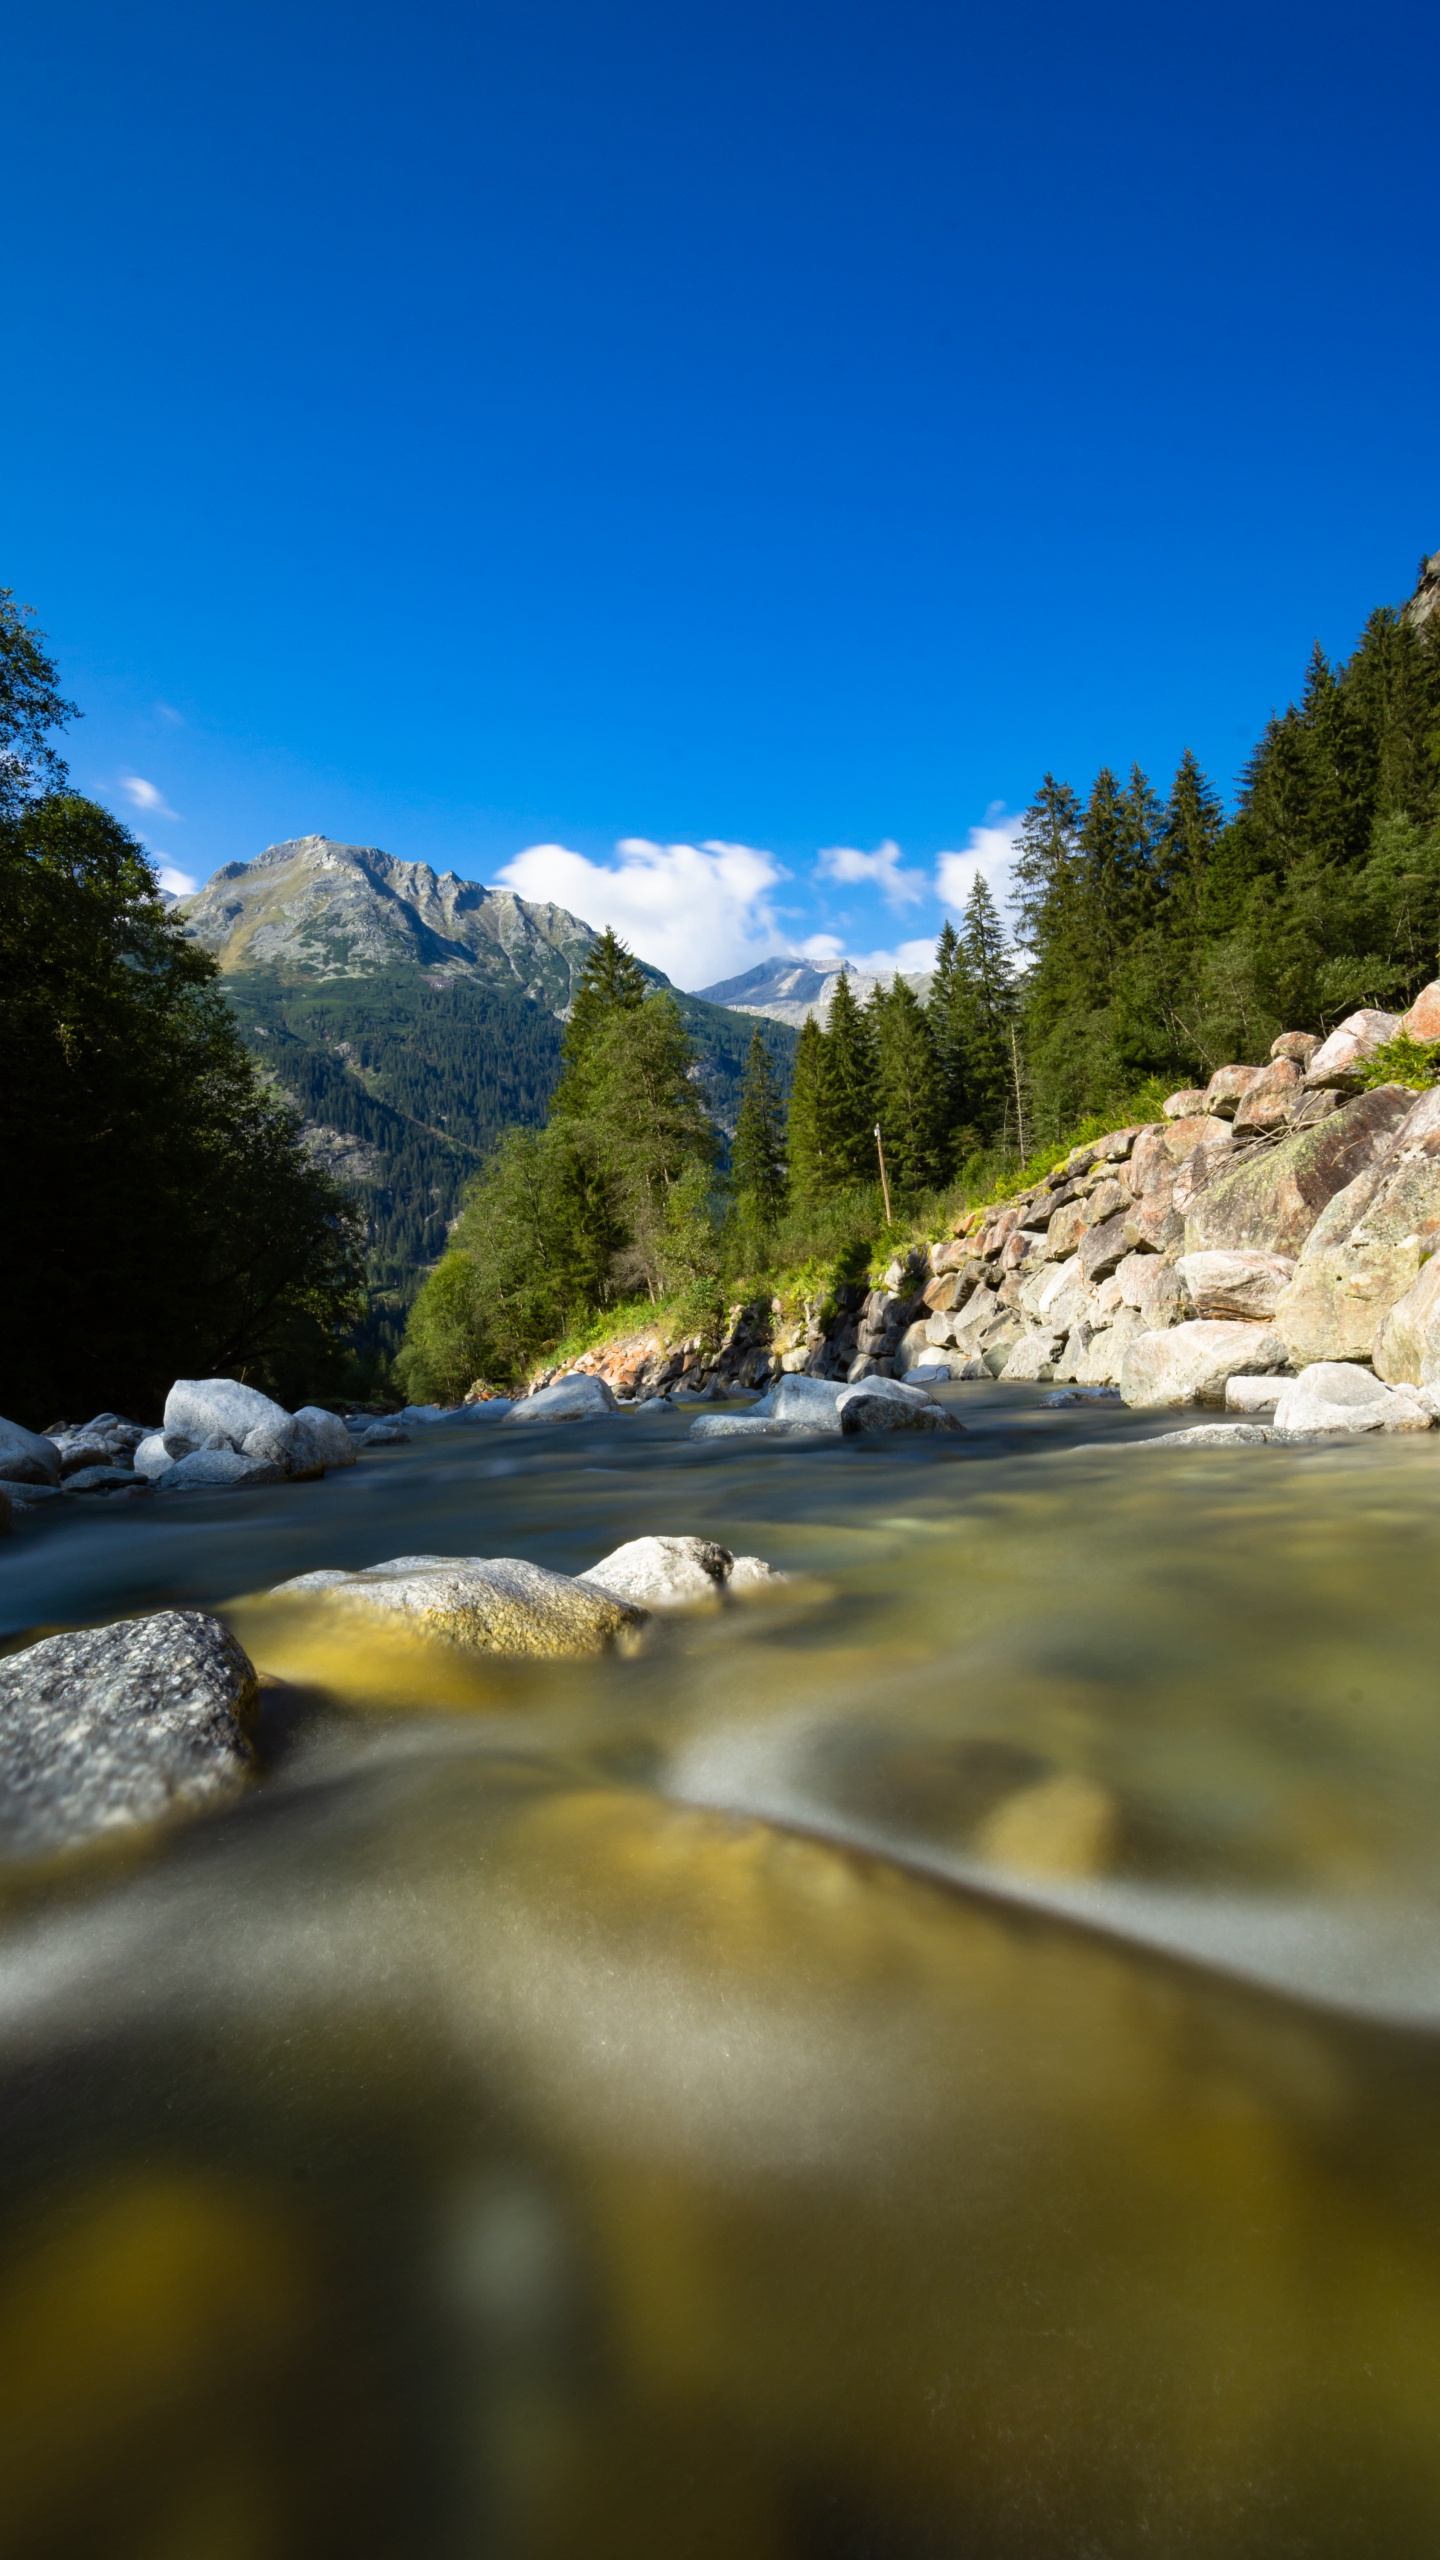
point(940, 2064)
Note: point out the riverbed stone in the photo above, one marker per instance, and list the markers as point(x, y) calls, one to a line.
point(27, 1457)
point(1191, 1363)
point(1270, 1200)
point(578, 1398)
point(218, 1471)
point(884, 1404)
point(1253, 1395)
point(1336, 1395)
point(662, 1573)
point(808, 1403)
point(202, 1409)
point(1032, 1359)
point(119, 1726)
point(482, 1604)
point(321, 1438)
point(1244, 1285)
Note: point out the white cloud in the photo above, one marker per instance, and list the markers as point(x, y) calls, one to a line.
point(881, 869)
point(990, 851)
point(147, 796)
point(179, 883)
point(167, 711)
point(699, 912)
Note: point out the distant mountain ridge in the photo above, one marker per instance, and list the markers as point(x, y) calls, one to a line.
point(413, 1016)
point(789, 991)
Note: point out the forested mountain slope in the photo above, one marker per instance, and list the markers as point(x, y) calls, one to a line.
point(413, 1017)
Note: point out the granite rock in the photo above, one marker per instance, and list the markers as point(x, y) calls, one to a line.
point(121, 1725)
point(482, 1604)
point(1192, 1363)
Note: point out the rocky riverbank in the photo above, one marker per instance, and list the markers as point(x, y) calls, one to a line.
point(1279, 1221)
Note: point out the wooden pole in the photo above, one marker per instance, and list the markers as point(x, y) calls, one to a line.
point(884, 1179)
point(1019, 1092)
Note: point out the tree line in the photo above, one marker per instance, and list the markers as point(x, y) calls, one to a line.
point(167, 1218)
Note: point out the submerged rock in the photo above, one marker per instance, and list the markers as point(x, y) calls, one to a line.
point(574, 1399)
point(485, 1604)
point(675, 1573)
point(1336, 1395)
point(121, 1725)
point(217, 1470)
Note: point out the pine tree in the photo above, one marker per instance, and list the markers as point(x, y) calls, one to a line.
point(989, 1004)
point(805, 1153)
point(847, 1089)
point(757, 1159)
point(910, 1090)
point(612, 981)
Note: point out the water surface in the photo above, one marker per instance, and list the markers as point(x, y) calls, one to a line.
point(940, 2063)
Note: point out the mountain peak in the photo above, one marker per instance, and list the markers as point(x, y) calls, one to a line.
point(312, 907)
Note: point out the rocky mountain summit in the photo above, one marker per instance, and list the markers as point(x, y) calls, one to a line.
point(332, 910)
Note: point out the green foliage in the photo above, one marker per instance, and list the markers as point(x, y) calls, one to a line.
point(805, 1125)
point(611, 982)
point(168, 1219)
point(1405, 1061)
point(910, 1098)
point(847, 1096)
point(1170, 942)
point(757, 1159)
point(30, 707)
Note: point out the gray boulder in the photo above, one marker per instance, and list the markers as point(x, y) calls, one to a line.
point(676, 1573)
point(1366, 1250)
point(1032, 1359)
point(1271, 1199)
point(751, 1426)
point(199, 1408)
point(320, 1440)
point(662, 1573)
point(26, 1457)
point(152, 1457)
point(106, 1480)
point(218, 1470)
point(482, 1604)
point(1192, 1363)
point(884, 1404)
point(118, 1726)
point(1244, 1285)
point(1336, 1395)
point(578, 1398)
point(808, 1403)
point(384, 1435)
point(1253, 1395)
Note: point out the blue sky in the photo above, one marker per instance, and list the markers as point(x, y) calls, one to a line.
point(762, 438)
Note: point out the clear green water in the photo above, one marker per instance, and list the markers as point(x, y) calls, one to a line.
point(941, 2065)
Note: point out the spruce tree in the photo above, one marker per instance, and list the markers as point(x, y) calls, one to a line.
point(612, 981)
point(807, 1163)
point(910, 1090)
point(847, 1090)
point(757, 1159)
point(989, 1010)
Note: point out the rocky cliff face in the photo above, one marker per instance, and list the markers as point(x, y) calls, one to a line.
point(326, 910)
point(1426, 600)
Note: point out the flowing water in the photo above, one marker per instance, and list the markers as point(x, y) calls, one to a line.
point(945, 2061)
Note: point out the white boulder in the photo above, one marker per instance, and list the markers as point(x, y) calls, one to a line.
point(1227, 1285)
point(1337, 1395)
point(1193, 1363)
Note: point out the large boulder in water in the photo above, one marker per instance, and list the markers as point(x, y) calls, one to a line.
point(1335, 1395)
point(676, 1573)
point(483, 1604)
point(121, 1725)
point(1192, 1363)
point(579, 1398)
point(883, 1404)
point(1271, 1199)
point(27, 1457)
